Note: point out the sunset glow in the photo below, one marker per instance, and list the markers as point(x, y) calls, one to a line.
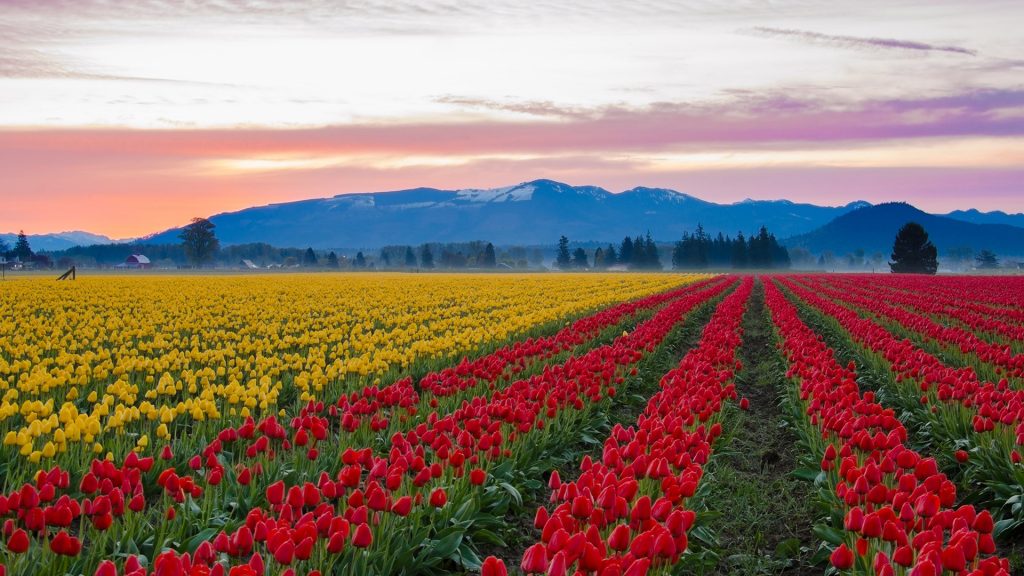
point(227, 105)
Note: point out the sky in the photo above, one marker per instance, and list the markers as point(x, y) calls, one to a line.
point(126, 118)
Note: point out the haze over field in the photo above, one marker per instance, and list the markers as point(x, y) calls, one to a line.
point(125, 118)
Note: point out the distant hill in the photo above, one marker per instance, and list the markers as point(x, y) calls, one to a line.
point(995, 217)
point(57, 240)
point(535, 212)
point(873, 228)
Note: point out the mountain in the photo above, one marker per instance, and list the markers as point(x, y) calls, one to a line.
point(873, 228)
point(995, 217)
point(535, 212)
point(58, 240)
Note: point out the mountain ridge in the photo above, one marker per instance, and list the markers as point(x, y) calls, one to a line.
point(873, 228)
point(532, 212)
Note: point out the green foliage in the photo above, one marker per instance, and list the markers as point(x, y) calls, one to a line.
point(199, 241)
point(913, 252)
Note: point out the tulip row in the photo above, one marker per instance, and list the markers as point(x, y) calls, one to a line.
point(899, 515)
point(964, 341)
point(419, 493)
point(982, 422)
point(987, 321)
point(626, 513)
point(116, 364)
point(368, 498)
point(987, 295)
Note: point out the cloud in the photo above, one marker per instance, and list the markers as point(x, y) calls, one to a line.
point(858, 42)
point(542, 108)
point(748, 121)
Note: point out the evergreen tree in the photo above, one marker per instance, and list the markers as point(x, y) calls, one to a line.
point(639, 259)
point(738, 257)
point(652, 260)
point(679, 252)
point(913, 252)
point(579, 258)
point(3, 247)
point(309, 258)
point(22, 250)
point(199, 241)
point(426, 257)
point(599, 258)
point(490, 260)
point(410, 257)
point(332, 260)
point(360, 260)
point(610, 257)
point(626, 252)
point(385, 258)
point(987, 260)
point(563, 259)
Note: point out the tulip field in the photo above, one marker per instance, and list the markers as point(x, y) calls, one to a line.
point(584, 424)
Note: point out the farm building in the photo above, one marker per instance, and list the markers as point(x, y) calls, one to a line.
point(136, 261)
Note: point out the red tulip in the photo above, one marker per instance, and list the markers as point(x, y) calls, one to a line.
point(402, 506)
point(842, 557)
point(18, 541)
point(285, 552)
point(106, 568)
point(535, 560)
point(275, 493)
point(477, 476)
point(493, 567)
point(363, 537)
point(438, 498)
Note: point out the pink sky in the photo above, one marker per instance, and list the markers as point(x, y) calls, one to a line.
point(126, 119)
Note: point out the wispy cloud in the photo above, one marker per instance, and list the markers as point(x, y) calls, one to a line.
point(858, 42)
point(541, 108)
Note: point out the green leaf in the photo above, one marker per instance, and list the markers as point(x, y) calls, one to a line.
point(788, 548)
point(445, 547)
point(199, 538)
point(829, 534)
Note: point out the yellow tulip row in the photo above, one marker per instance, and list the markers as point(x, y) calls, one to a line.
point(132, 356)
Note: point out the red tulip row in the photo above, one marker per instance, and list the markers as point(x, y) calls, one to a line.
point(374, 406)
point(993, 407)
point(978, 293)
point(425, 472)
point(964, 340)
point(938, 306)
point(514, 358)
point(107, 492)
point(899, 509)
point(626, 513)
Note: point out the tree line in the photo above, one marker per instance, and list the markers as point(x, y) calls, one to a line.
point(692, 251)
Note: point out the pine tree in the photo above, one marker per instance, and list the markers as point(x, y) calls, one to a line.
point(579, 258)
point(309, 258)
point(739, 252)
point(913, 252)
point(360, 260)
point(22, 250)
point(489, 260)
point(610, 257)
point(426, 257)
point(332, 260)
point(599, 258)
point(563, 260)
point(652, 259)
point(410, 257)
point(626, 252)
point(987, 260)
